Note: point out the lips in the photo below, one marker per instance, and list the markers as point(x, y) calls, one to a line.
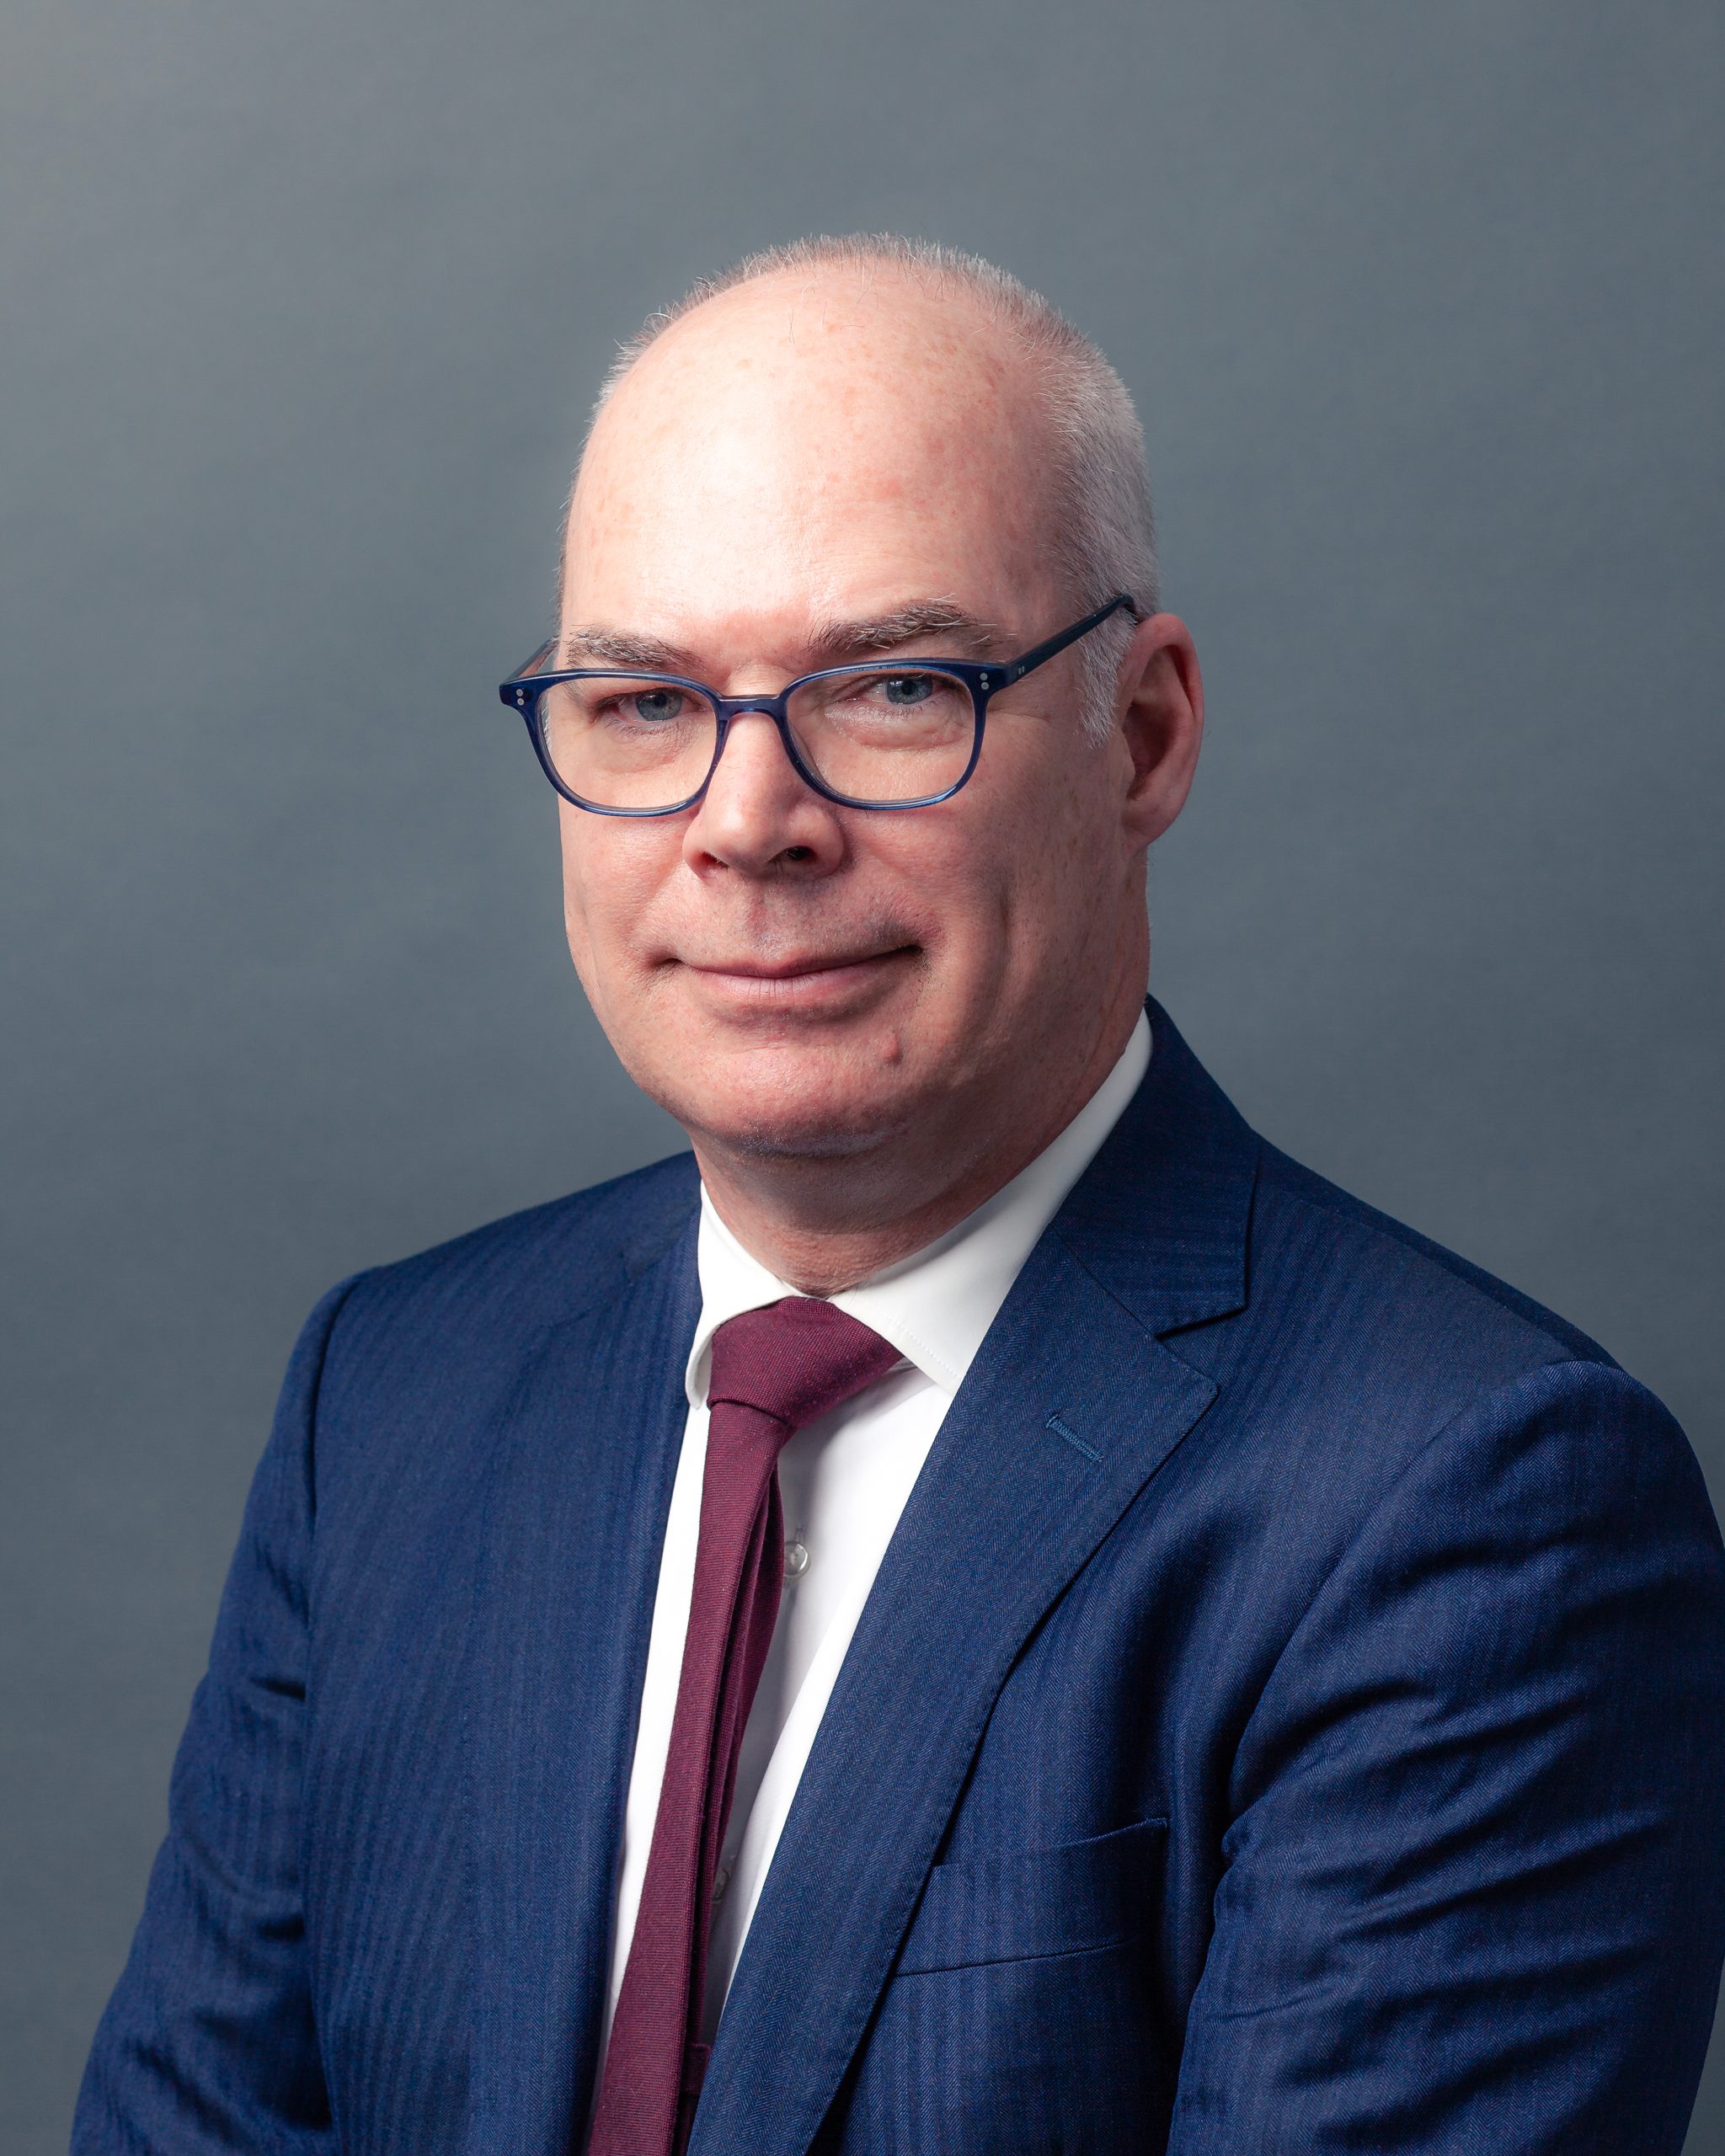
point(811, 985)
point(769, 970)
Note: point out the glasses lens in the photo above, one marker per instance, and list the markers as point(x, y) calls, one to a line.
point(628, 740)
point(877, 733)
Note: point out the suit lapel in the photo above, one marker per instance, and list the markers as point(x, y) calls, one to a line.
point(574, 1524)
point(1069, 1410)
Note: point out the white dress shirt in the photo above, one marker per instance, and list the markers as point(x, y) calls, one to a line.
point(844, 1480)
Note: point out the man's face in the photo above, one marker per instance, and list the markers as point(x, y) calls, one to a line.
point(786, 976)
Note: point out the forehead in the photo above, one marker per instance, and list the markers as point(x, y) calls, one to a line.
point(833, 441)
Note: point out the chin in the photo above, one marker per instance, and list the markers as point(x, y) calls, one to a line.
point(766, 1142)
point(789, 1113)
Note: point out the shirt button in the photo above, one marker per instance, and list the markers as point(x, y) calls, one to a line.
point(796, 1560)
point(722, 1877)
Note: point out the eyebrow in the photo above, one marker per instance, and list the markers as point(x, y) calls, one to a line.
point(622, 647)
point(919, 621)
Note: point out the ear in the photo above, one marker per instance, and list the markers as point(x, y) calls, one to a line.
point(1159, 711)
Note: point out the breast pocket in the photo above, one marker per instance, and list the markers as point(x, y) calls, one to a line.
point(1073, 1898)
point(1021, 2019)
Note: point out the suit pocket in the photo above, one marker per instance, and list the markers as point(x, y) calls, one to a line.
point(1075, 1897)
point(1023, 2016)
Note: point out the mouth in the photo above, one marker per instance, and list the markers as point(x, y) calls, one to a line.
point(810, 980)
point(797, 968)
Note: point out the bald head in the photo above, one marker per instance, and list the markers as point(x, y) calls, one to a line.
point(840, 434)
point(857, 360)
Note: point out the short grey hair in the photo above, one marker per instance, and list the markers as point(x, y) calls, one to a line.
point(1104, 532)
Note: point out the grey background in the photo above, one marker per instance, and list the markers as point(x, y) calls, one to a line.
point(302, 307)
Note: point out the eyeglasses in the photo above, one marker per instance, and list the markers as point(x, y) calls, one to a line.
point(902, 735)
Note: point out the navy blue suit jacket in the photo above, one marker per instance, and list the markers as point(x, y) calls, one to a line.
point(1288, 1718)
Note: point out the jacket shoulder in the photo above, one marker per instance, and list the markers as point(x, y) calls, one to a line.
point(535, 1268)
point(1410, 1274)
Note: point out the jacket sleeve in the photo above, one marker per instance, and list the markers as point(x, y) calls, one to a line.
point(1475, 1886)
point(208, 2042)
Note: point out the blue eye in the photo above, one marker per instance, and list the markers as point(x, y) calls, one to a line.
point(656, 705)
point(904, 690)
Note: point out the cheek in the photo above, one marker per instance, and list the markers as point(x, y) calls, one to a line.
point(1035, 856)
point(577, 907)
point(982, 907)
point(608, 878)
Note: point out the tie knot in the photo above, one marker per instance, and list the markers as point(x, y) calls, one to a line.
point(795, 1360)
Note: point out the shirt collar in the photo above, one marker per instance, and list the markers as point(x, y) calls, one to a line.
point(937, 1305)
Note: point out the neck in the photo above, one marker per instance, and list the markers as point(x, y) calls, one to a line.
point(825, 1223)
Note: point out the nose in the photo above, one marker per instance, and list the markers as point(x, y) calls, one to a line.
point(757, 815)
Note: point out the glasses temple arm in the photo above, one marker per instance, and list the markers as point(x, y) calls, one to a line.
point(1041, 653)
point(536, 663)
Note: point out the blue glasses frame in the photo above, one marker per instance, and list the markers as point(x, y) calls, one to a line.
point(984, 678)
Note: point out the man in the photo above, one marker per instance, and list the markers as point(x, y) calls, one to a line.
point(988, 1609)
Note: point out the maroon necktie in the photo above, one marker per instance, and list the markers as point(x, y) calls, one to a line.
point(773, 1370)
